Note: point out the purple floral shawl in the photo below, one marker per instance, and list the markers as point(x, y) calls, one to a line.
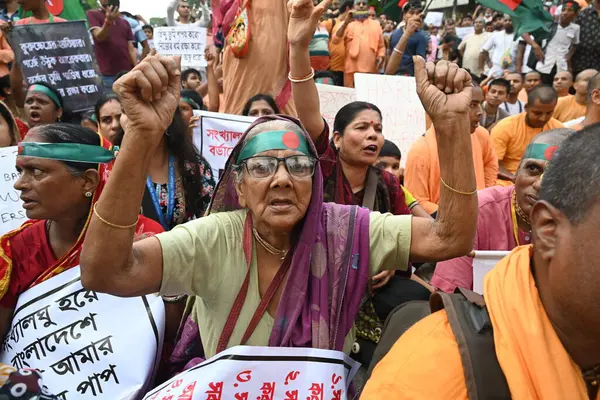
point(328, 275)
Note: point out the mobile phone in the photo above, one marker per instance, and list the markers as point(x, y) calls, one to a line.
point(114, 3)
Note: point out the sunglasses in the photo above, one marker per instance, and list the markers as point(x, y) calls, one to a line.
point(264, 167)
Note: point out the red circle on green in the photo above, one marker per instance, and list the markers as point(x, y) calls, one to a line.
point(291, 140)
point(549, 152)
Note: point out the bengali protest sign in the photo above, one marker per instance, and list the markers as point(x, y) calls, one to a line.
point(87, 344)
point(187, 41)
point(434, 18)
point(331, 99)
point(216, 136)
point(59, 54)
point(253, 372)
point(483, 263)
point(12, 214)
point(396, 97)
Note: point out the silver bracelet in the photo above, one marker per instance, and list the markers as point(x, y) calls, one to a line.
point(398, 51)
point(174, 299)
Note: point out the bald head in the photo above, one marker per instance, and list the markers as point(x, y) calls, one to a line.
point(553, 137)
point(593, 84)
point(582, 80)
point(532, 80)
point(543, 94)
point(562, 83)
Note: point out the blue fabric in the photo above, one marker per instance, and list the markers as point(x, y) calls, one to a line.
point(136, 28)
point(417, 46)
point(4, 16)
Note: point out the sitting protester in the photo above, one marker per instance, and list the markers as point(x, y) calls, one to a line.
point(503, 220)
point(542, 302)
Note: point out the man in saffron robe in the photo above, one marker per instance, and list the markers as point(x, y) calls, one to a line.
point(574, 106)
point(592, 116)
point(512, 135)
point(542, 301)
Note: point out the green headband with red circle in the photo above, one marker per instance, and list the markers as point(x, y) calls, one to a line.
point(540, 151)
point(274, 140)
point(73, 152)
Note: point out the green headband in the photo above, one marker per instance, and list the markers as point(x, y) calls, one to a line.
point(540, 151)
point(73, 152)
point(44, 90)
point(274, 140)
point(191, 102)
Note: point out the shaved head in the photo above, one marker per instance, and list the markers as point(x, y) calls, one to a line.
point(593, 84)
point(581, 82)
point(554, 136)
point(565, 74)
point(586, 75)
point(543, 93)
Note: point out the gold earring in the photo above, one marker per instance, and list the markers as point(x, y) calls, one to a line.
point(88, 194)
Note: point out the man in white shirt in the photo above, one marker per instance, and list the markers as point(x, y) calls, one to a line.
point(560, 48)
point(501, 45)
point(184, 11)
point(513, 105)
point(471, 45)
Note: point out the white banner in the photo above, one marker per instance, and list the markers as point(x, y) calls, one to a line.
point(87, 344)
point(483, 263)
point(187, 41)
point(263, 373)
point(396, 97)
point(331, 99)
point(216, 136)
point(12, 214)
point(462, 32)
point(434, 18)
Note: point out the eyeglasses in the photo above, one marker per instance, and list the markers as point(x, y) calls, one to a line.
point(264, 167)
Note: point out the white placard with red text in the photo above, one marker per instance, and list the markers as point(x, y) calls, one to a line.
point(216, 136)
point(12, 214)
point(396, 97)
point(331, 99)
point(254, 372)
point(87, 345)
point(483, 263)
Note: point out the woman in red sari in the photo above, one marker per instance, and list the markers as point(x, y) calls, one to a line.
point(58, 197)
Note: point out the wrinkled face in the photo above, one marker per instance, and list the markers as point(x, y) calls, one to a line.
point(562, 82)
point(361, 5)
point(183, 9)
point(6, 137)
point(538, 113)
point(149, 34)
point(496, 95)
point(192, 82)
point(110, 120)
point(527, 183)
point(41, 179)
point(391, 165)
point(39, 109)
point(532, 80)
point(260, 108)
point(475, 109)
point(361, 140)
point(516, 83)
point(187, 112)
point(277, 203)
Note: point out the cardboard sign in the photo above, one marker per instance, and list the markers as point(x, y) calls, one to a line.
point(254, 372)
point(216, 136)
point(87, 344)
point(396, 96)
point(462, 32)
point(331, 99)
point(483, 263)
point(187, 41)
point(12, 214)
point(59, 54)
point(434, 18)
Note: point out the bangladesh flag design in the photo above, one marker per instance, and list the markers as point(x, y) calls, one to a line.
point(528, 16)
point(71, 10)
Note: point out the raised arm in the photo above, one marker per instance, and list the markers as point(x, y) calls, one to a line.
point(303, 23)
point(214, 100)
point(396, 55)
point(451, 233)
point(102, 33)
point(171, 12)
point(110, 261)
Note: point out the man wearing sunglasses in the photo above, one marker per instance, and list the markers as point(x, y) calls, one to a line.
point(185, 14)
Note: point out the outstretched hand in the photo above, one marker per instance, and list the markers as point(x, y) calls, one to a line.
point(149, 94)
point(444, 88)
point(304, 19)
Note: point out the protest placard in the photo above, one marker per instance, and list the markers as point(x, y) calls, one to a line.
point(483, 263)
point(187, 41)
point(331, 99)
point(12, 214)
point(438, 4)
point(86, 344)
point(254, 372)
point(462, 32)
point(396, 97)
point(434, 18)
point(216, 136)
point(59, 54)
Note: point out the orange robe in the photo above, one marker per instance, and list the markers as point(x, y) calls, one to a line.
point(264, 69)
point(511, 136)
point(568, 109)
point(523, 96)
point(337, 51)
point(422, 173)
point(364, 43)
point(425, 362)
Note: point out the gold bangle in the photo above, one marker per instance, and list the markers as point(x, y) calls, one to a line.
point(114, 225)
point(457, 191)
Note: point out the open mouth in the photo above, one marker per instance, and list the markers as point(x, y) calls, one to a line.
point(280, 203)
point(34, 116)
point(371, 149)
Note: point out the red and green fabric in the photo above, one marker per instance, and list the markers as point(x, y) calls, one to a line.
point(71, 10)
point(528, 16)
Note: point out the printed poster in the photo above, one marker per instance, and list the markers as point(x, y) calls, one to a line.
point(254, 372)
point(332, 99)
point(12, 214)
point(187, 41)
point(88, 345)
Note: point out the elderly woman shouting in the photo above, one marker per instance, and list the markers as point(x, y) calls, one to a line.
point(271, 263)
